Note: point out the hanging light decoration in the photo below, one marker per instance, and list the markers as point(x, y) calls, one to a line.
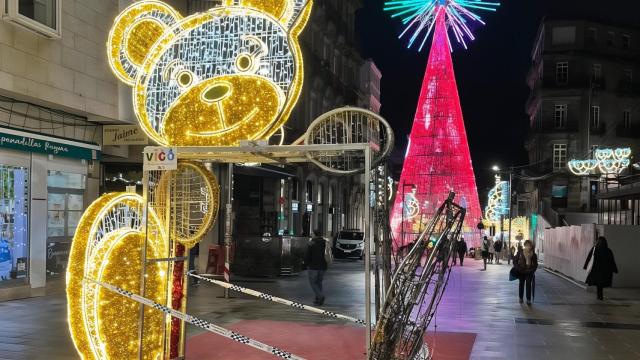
point(419, 17)
point(607, 161)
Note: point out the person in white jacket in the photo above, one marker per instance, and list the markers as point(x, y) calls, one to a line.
point(492, 251)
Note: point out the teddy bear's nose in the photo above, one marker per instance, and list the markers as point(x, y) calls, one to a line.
point(216, 92)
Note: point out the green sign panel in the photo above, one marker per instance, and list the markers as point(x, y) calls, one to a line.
point(29, 144)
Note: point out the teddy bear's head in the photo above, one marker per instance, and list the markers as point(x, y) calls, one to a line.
point(215, 78)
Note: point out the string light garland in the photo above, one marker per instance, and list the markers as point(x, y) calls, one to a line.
point(607, 161)
point(215, 78)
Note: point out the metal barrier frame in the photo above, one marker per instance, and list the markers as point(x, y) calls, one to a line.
point(258, 152)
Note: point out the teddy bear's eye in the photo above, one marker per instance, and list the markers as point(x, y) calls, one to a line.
point(184, 78)
point(244, 62)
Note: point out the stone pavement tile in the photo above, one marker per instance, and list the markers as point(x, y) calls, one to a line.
point(483, 303)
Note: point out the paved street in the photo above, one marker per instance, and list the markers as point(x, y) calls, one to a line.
point(565, 321)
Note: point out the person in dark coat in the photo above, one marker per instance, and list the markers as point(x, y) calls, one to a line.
point(526, 264)
point(601, 266)
point(461, 250)
point(485, 252)
point(316, 265)
point(497, 246)
point(193, 253)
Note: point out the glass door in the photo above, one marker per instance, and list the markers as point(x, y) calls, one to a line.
point(65, 204)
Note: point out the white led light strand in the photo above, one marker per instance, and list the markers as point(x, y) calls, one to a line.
point(607, 161)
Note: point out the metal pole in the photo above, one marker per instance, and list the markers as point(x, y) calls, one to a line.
point(510, 212)
point(227, 228)
point(143, 260)
point(367, 245)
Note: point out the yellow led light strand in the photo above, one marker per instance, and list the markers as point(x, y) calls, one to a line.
point(208, 193)
point(259, 105)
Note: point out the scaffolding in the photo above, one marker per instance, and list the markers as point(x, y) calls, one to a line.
point(177, 210)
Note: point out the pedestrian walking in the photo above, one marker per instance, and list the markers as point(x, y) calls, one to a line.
point(525, 265)
point(193, 254)
point(485, 252)
point(317, 262)
point(492, 250)
point(461, 249)
point(497, 246)
point(600, 265)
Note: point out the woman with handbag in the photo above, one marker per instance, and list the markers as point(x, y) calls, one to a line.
point(601, 265)
point(525, 265)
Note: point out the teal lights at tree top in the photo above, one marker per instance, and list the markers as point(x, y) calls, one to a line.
point(420, 16)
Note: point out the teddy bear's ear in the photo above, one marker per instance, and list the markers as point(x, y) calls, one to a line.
point(293, 14)
point(133, 34)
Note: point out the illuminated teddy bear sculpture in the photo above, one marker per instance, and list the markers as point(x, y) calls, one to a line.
point(215, 78)
point(210, 79)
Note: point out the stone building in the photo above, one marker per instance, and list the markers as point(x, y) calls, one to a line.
point(585, 95)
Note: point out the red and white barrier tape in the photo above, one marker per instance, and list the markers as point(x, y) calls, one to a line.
point(276, 299)
point(200, 323)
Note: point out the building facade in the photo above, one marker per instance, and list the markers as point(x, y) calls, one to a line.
point(57, 92)
point(585, 94)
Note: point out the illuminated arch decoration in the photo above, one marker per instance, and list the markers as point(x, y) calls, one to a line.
point(607, 161)
point(215, 78)
point(498, 203)
point(349, 125)
point(107, 248)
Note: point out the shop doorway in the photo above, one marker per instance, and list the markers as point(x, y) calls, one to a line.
point(65, 204)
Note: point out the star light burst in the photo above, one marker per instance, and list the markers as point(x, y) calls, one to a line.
point(420, 16)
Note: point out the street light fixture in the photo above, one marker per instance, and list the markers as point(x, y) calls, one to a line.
point(495, 168)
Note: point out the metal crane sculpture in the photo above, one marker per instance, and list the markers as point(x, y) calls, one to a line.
point(417, 288)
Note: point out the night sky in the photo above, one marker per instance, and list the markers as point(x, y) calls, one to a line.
point(490, 75)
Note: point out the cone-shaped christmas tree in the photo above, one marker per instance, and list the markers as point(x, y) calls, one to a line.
point(437, 159)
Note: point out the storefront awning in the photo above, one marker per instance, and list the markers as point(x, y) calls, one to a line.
point(27, 141)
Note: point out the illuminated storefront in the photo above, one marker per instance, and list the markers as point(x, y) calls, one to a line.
point(43, 190)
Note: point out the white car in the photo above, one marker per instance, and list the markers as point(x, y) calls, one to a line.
point(349, 243)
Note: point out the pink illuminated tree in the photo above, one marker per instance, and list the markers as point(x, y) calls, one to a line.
point(437, 160)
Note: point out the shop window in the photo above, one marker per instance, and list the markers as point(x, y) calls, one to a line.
point(14, 240)
point(320, 194)
point(65, 204)
point(41, 16)
point(308, 197)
